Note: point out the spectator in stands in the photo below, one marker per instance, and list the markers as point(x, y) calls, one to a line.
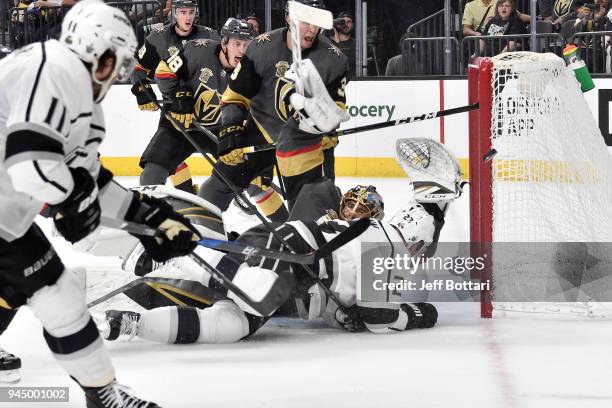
point(477, 13)
point(255, 23)
point(585, 11)
point(160, 17)
point(342, 37)
point(587, 17)
point(405, 63)
point(505, 22)
point(546, 9)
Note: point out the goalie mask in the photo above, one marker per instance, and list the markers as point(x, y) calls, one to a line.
point(362, 202)
point(433, 171)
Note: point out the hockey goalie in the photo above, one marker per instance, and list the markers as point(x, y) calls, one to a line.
point(435, 181)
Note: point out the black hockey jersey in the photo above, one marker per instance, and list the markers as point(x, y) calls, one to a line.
point(197, 67)
point(258, 83)
point(161, 44)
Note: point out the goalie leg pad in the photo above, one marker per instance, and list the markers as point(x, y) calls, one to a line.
point(70, 332)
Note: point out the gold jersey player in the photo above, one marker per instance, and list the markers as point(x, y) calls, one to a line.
point(158, 46)
point(256, 110)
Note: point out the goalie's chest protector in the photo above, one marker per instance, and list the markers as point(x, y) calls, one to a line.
point(271, 58)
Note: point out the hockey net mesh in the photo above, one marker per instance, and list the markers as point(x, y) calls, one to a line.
point(552, 184)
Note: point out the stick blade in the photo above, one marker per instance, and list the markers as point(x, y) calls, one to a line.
point(311, 15)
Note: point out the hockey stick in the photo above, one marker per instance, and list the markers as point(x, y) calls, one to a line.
point(279, 292)
point(299, 12)
point(380, 125)
point(196, 289)
point(276, 296)
point(346, 236)
point(238, 192)
point(409, 119)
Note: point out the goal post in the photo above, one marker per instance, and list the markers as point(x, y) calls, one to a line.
point(540, 188)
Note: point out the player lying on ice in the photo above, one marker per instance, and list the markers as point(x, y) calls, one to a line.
point(417, 225)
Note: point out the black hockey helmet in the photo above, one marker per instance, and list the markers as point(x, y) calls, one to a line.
point(312, 3)
point(4, 51)
point(237, 28)
point(184, 4)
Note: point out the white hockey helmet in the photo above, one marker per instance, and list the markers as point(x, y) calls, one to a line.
point(90, 29)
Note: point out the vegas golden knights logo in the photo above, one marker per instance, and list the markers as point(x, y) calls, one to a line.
point(205, 74)
point(173, 50)
point(207, 105)
point(283, 109)
point(281, 68)
point(563, 7)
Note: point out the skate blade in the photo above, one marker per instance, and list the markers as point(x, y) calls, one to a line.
point(10, 376)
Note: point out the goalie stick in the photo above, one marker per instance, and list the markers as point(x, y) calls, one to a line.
point(346, 236)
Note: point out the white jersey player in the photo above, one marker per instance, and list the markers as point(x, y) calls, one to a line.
point(414, 228)
point(51, 125)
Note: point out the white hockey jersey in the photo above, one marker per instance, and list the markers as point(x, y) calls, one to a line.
point(48, 122)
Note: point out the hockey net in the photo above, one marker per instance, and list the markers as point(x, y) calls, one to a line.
point(541, 189)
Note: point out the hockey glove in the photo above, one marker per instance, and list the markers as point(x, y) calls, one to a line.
point(229, 149)
point(420, 315)
point(182, 107)
point(350, 319)
point(79, 214)
point(143, 93)
point(317, 111)
point(179, 238)
point(329, 142)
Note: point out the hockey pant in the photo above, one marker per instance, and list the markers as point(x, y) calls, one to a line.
point(166, 150)
point(31, 273)
point(255, 175)
point(303, 163)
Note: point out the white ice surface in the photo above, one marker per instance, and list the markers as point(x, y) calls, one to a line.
point(464, 361)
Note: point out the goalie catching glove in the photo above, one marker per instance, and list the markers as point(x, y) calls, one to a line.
point(143, 93)
point(316, 110)
point(179, 237)
point(229, 146)
point(182, 107)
